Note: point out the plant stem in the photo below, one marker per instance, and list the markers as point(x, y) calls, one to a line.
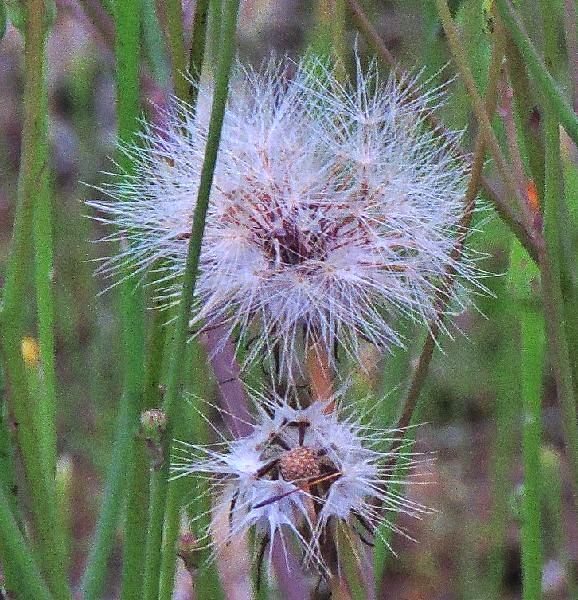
point(132, 308)
point(502, 207)
point(44, 264)
point(545, 82)
point(172, 403)
point(531, 344)
point(15, 552)
point(139, 477)
point(444, 293)
point(34, 429)
point(567, 256)
point(198, 44)
point(176, 39)
point(459, 54)
point(553, 299)
point(570, 18)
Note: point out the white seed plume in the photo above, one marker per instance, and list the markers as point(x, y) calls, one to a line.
point(334, 209)
point(300, 472)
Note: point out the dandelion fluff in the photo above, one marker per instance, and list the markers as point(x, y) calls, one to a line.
point(300, 472)
point(334, 209)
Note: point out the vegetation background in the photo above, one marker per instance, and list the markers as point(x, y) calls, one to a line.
point(471, 405)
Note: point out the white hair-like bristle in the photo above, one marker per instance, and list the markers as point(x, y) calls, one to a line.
point(334, 209)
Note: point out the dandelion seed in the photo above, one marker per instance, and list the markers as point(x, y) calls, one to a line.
point(300, 472)
point(334, 210)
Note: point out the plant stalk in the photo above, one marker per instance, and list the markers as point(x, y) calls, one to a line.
point(34, 416)
point(545, 82)
point(172, 401)
point(127, 43)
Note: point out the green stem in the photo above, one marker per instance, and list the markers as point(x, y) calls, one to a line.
point(545, 82)
point(176, 40)
point(459, 55)
point(132, 309)
point(531, 336)
point(502, 207)
point(14, 550)
point(565, 224)
point(43, 245)
point(139, 477)
point(531, 327)
point(553, 298)
point(33, 428)
point(172, 408)
point(198, 44)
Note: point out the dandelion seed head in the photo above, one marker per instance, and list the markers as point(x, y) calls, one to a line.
point(333, 212)
point(300, 471)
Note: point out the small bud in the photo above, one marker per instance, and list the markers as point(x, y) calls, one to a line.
point(153, 424)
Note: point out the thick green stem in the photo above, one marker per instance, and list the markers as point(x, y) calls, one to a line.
point(132, 310)
point(139, 477)
point(14, 550)
point(545, 82)
point(565, 222)
point(172, 400)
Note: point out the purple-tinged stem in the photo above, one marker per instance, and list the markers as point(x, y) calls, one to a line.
point(237, 416)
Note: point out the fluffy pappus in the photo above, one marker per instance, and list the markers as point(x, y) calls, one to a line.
point(300, 473)
point(334, 210)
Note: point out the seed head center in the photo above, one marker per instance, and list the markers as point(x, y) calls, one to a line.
point(299, 464)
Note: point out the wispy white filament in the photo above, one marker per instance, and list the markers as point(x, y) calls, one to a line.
point(334, 209)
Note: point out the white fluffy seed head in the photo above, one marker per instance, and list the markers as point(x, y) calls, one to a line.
point(334, 209)
point(300, 472)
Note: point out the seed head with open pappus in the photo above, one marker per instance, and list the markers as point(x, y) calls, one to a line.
point(300, 473)
point(334, 209)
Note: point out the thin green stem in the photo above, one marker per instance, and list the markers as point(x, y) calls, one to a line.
point(502, 207)
point(444, 293)
point(14, 550)
point(531, 344)
point(553, 299)
point(175, 36)
point(544, 81)
point(531, 348)
point(198, 44)
point(459, 55)
point(172, 403)
point(43, 246)
point(132, 309)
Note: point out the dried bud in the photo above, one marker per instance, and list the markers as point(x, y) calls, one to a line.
point(153, 424)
